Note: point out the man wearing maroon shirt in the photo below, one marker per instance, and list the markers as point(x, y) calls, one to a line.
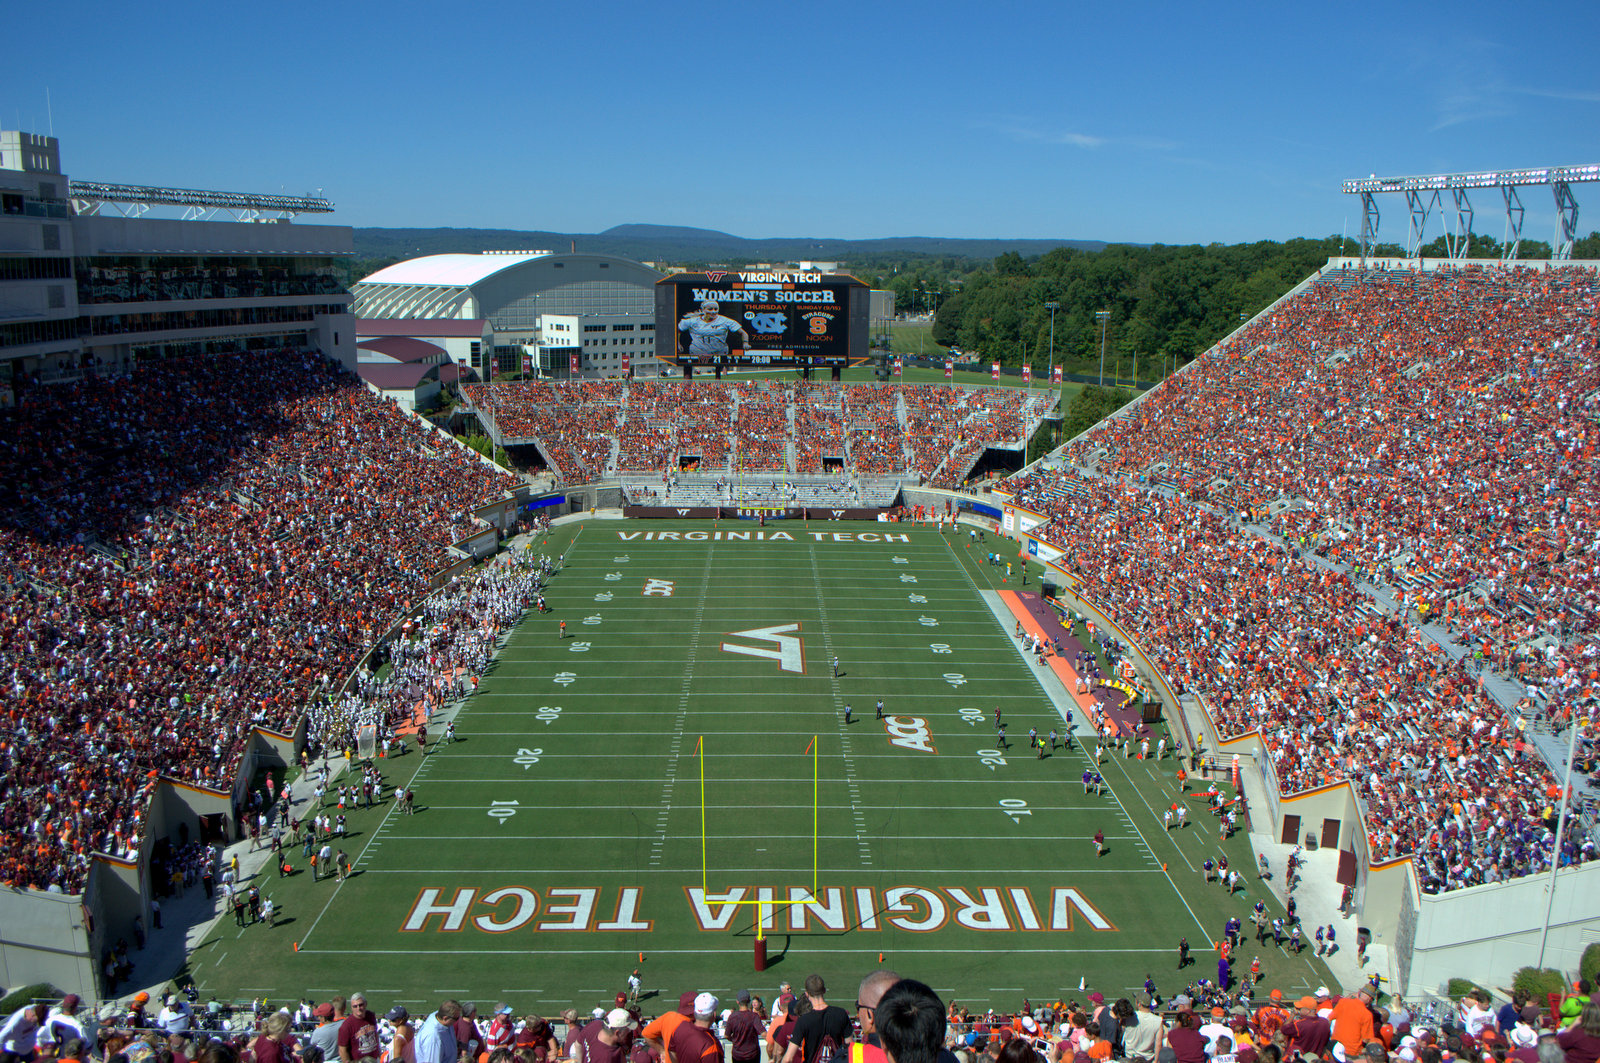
point(1308, 1031)
point(469, 1039)
point(743, 1030)
point(358, 1034)
point(602, 1040)
point(1187, 1043)
point(693, 1042)
point(659, 1033)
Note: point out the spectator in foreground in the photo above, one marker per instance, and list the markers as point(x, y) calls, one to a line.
point(1581, 1040)
point(910, 1021)
point(436, 1041)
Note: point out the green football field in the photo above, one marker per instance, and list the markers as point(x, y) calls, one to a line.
point(567, 832)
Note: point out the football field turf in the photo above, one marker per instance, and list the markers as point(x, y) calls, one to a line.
point(567, 831)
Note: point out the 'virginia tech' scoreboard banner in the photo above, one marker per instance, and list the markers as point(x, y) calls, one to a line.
point(784, 319)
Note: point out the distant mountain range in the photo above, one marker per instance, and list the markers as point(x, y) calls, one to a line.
point(680, 244)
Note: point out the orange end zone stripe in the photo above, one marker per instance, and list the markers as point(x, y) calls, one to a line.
point(1064, 671)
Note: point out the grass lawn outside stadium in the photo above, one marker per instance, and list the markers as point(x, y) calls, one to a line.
point(561, 835)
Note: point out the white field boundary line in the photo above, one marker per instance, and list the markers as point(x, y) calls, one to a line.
point(721, 678)
point(675, 751)
point(568, 784)
point(1148, 848)
point(588, 806)
point(415, 772)
point(941, 869)
point(744, 950)
point(703, 694)
point(548, 836)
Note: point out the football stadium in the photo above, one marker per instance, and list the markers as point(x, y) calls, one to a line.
point(1280, 678)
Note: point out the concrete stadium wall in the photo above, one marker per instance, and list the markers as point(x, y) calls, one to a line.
point(43, 938)
point(1487, 932)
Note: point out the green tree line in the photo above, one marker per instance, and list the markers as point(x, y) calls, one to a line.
point(1164, 304)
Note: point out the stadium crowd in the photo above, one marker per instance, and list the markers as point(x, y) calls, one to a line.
point(656, 424)
point(895, 1020)
point(193, 552)
point(1434, 433)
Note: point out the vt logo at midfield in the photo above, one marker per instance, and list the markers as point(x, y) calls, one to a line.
point(787, 649)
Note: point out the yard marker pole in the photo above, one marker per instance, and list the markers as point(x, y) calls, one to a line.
point(700, 745)
point(815, 826)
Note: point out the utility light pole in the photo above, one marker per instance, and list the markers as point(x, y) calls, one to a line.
point(1052, 307)
point(1102, 316)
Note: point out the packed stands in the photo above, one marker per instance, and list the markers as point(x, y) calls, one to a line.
point(192, 552)
point(1428, 435)
point(799, 427)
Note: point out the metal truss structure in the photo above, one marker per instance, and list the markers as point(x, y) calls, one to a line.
point(132, 201)
point(1423, 197)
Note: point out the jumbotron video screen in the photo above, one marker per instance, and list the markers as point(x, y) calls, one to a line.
point(786, 319)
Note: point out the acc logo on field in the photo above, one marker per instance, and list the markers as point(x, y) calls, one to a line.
point(658, 588)
point(910, 732)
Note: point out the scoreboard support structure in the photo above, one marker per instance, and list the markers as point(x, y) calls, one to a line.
point(788, 319)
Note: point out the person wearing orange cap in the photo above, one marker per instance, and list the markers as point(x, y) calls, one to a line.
point(1307, 1032)
point(136, 1014)
point(1271, 1016)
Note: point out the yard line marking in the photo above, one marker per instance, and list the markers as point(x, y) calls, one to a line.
point(738, 950)
point(416, 773)
point(676, 749)
point(745, 806)
point(986, 837)
point(940, 869)
point(1149, 850)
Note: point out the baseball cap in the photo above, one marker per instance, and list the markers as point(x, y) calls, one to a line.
point(1306, 1002)
point(1217, 1013)
point(141, 997)
point(505, 1009)
point(743, 996)
point(398, 1014)
point(686, 1002)
point(1322, 991)
point(1276, 994)
point(323, 1011)
point(1029, 1025)
point(619, 1019)
point(705, 1005)
point(622, 998)
point(1097, 998)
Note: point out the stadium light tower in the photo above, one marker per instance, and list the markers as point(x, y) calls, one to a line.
point(1102, 316)
point(1052, 307)
point(1422, 195)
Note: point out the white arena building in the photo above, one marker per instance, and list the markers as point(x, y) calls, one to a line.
point(541, 307)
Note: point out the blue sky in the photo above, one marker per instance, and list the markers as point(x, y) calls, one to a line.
point(1172, 122)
